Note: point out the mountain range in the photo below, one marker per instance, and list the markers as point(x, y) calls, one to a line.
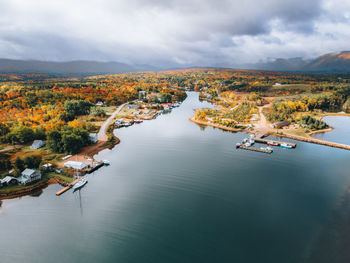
point(328, 63)
point(78, 67)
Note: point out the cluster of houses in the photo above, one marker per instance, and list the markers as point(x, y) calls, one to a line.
point(28, 176)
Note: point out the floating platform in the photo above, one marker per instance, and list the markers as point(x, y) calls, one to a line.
point(254, 149)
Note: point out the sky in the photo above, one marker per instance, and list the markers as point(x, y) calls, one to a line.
point(173, 32)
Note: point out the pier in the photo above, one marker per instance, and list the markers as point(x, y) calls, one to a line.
point(249, 148)
point(98, 165)
point(260, 138)
point(65, 189)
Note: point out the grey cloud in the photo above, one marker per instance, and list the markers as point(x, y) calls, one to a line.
point(189, 32)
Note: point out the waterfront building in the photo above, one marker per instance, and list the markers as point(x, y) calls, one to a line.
point(29, 176)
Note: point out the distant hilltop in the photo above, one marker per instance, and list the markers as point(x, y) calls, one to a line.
point(332, 63)
point(80, 67)
point(328, 63)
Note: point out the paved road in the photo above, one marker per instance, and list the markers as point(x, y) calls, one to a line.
point(102, 136)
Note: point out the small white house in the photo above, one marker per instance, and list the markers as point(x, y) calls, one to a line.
point(29, 176)
point(75, 165)
point(93, 137)
point(37, 144)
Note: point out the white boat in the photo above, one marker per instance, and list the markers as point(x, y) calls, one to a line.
point(80, 184)
point(284, 145)
point(106, 162)
point(266, 149)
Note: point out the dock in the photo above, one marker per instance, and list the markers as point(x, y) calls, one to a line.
point(250, 148)
point(260, 138)
point(99, 165)
point(65, 189)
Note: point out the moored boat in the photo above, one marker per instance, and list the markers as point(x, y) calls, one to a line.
point(80, 184)
point(285, 145)
point(238, 145)
point(106, 162)
point(272, 143)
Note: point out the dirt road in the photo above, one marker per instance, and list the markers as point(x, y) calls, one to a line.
point(102, 136)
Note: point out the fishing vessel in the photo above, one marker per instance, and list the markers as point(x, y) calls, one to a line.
point(284, 145)
point(272, 143)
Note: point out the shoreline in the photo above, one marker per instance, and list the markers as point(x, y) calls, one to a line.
point(215, 125)
point(282, 135)
point(28, 191)
point(321, 131)
point(91, 151)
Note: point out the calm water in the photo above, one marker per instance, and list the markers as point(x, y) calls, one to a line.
point(176, 192)
point(341, 132)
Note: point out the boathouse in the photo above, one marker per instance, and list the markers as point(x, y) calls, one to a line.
point(75, 165)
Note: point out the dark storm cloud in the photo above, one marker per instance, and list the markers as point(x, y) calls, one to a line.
point(187, 32)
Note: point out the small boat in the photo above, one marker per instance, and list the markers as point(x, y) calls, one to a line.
point(80, 184)
point(245, 140)
point(106, 162)
point(138, 121)
point(269, 149)
point(127, 124)
point(272, 143)
point(238, 145)
point(285, 145)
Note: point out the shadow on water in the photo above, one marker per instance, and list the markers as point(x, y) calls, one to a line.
point(332, 243)
point(78, 191)
point(37, 194)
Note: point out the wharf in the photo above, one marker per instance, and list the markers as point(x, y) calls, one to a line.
point(65, 189)
point(254, 149)
point(98, 165)
point(260, 139)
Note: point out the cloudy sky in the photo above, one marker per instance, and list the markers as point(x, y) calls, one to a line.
point(173, 32)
